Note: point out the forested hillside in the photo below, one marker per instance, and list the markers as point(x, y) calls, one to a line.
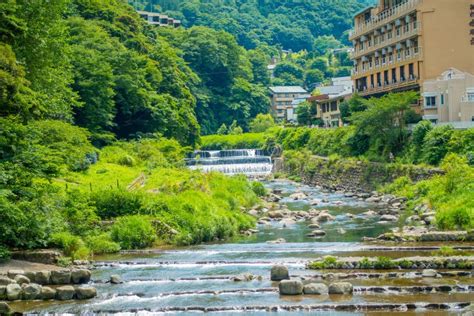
point(288, 24)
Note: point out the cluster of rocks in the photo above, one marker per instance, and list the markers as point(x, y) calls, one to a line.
point(289, 286)
point(385, 275)
point(422, 233)
point(21, 285)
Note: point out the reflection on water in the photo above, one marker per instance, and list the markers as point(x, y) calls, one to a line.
point(177, 277)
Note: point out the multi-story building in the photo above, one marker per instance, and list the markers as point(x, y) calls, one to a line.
point(399, 44)
point(449, 99)
point(327, 103)
point(282, 97)
point(159, 19)
point(291, 114)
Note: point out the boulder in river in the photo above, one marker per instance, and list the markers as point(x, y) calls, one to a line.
point(279, 272)
point(86, 292)
point(115, 279)
point(64, 293)
point(4, 280)
point(388, 218)
point(3, 292)
point(5, 309)
point(298, 196)
point(31, 292)
point(60, 277)
point(48, 293)
point(43, 277)
point(315, 289)
point(13, 273)
point(21, 279)
point(275, 214)
point(317, 233)
point(314, 226)
point(13, 292)
point(340, 288)
point(245, 277)
point(80, 276)
point(291, 287)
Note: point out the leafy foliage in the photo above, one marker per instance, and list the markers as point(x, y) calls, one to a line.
point(133, 232)
point(292, 25)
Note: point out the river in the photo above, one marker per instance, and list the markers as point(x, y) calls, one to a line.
point(190, 280)
point(200, 276)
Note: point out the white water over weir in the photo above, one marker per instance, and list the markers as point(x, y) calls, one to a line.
point(251, 162)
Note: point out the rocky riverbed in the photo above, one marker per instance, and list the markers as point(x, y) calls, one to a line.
point(235, 277)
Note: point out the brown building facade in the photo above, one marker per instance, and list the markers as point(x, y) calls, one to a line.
point(401, 43)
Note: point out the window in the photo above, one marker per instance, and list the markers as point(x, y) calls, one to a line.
point(442, 99)
point(430, 101)
point(470, 97)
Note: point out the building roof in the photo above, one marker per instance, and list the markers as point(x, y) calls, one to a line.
point(330, 90)
point(288, 89)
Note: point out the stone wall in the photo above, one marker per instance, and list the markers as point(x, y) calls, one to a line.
point(348, 174)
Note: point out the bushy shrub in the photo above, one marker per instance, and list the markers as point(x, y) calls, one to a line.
point(435, 145)
point(258, 188)
point(71, 245)
point(102, 243)
point(384, 263)
point(5, 254)
point(117, 202)
point(133, 232)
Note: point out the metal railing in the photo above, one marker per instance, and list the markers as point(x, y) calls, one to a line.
point(388, 87)
point(414, 29)
point(406, 54)
point(384, 17)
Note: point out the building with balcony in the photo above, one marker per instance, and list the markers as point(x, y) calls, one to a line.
point(159, 19)
point(282, 98)
point(449, 99)
point(327, 103)
point(399, 44)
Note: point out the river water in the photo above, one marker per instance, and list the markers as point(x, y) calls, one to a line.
point(200, 276)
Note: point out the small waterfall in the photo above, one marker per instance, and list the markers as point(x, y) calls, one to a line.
point(251, 162)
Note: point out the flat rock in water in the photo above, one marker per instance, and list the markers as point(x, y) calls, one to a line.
point(429, 273)
point(115, 279)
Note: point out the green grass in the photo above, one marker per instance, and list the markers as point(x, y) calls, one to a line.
point(450, 195)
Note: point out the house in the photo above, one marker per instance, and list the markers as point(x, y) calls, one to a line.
point(282, 98)
point(327, 102)
point(400, 44)
point(449, 99)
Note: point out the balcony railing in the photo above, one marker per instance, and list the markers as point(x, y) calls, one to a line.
point(414, 29)
point(387, 62)
point(388, 87)
point(384, 17)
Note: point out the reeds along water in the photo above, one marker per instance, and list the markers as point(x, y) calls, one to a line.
point(251, 162)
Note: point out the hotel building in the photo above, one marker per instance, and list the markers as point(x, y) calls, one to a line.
point(399, 44)
point(282, 98)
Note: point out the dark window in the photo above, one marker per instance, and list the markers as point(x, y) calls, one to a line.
point(430, 101)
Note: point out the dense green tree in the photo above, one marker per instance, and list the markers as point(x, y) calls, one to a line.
point(261, 123)
point(384, 122)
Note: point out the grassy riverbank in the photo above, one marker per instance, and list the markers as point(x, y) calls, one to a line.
point(60, 191)
point(449, 195)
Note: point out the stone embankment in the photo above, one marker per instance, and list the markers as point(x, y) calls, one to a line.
point(351, 175)
point(61, 284)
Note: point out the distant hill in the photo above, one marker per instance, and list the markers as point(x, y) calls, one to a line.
point(290, 24)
